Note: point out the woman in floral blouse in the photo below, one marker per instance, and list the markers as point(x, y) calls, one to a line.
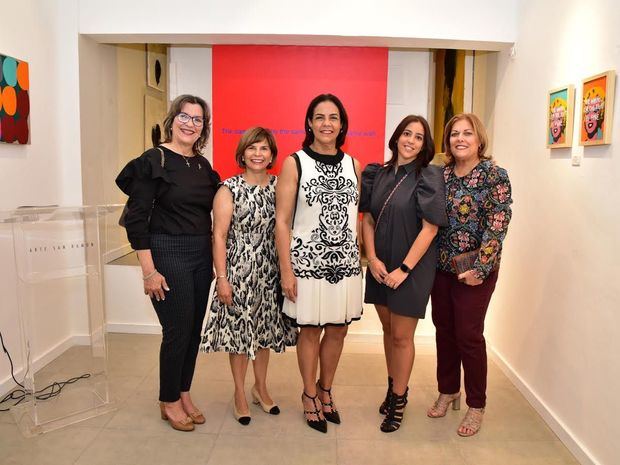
point(478, 198)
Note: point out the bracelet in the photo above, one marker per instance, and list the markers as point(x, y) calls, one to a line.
point(221, 276)
point(149, 276)
point(369, 260)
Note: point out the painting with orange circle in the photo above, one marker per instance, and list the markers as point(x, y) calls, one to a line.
point(14, 101)
point(597, 103)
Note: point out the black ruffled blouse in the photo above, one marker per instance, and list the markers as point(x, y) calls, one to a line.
point(174, 199)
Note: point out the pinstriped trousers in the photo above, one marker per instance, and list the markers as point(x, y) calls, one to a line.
point(187, 264)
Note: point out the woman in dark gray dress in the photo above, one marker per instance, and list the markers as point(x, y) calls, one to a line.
point(404, 205)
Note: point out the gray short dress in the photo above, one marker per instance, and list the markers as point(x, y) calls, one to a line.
point(419, 196)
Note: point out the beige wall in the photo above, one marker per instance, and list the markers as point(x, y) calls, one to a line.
point(484, 88)
point(555, 316)
point(112, 91)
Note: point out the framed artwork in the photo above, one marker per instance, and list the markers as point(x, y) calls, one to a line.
point(560, 114)
point(157, 66)
point(14, 101)
point(597, 105)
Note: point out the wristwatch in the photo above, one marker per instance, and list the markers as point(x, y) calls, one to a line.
point(404, 268)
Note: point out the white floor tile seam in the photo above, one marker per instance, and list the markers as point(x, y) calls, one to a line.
point(88, 444)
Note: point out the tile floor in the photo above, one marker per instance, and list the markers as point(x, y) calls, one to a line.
point(512, 432)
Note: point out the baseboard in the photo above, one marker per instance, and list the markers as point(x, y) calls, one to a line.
point(133, 328)
point(581, 453)
point(352, 336)
point(117, 252)
point(364, 338)
point(39, 362)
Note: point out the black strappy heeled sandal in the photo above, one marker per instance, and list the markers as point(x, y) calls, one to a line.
point(395, 412)
point(333, 415)
point(384, 404)
point(318, 424)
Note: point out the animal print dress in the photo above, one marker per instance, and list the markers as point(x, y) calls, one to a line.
point(254, 321)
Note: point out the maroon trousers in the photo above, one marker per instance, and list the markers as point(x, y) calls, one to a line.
point(458, 316)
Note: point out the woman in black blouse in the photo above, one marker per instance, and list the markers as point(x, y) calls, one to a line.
point(403, 205)
point(478, 198)
point(171, 190)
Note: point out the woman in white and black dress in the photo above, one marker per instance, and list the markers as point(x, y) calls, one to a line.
point(403, 204)
point(317, 199)
point(245, 318)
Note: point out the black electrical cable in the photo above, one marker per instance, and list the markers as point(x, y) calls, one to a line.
point(20, 394)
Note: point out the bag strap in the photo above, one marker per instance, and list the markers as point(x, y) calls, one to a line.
point(163, 158)
point(388, 199)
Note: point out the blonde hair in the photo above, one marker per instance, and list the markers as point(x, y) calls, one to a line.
point(479, 131)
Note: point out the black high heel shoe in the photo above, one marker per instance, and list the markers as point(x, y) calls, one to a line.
point(395, 411)
point(319, 424)
point(333, 415)
point(384, 404)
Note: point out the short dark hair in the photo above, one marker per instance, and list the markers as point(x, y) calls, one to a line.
point(428, 148)
point(479, 131)
point(175, 108)
point(251, 136)
point(344, 119)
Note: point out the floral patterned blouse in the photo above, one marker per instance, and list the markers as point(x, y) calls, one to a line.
point(478, 206)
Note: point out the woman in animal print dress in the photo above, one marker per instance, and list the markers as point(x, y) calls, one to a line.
point(245, 318)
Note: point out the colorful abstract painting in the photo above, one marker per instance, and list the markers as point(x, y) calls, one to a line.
point(597, 103)
point(560, 106)
point(14, 101)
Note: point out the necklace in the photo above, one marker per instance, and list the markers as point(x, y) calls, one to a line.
point(187, 161)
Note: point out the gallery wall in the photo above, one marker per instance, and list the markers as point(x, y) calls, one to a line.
point(407, 92)
point(48, 170)
point(554, 320)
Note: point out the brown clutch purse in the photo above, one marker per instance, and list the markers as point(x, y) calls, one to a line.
point(465, 261)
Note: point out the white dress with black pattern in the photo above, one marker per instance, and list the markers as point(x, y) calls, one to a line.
point(324, 250)
point(255, 320)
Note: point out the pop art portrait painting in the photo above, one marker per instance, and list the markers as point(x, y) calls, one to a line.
point(597, 104)
point(560, 111)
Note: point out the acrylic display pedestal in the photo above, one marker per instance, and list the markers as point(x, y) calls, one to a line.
point(61, 313)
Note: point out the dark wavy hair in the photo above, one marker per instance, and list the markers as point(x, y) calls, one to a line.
point(428, 148)
point(251, 136)
point(344, 119)
point(176, 107)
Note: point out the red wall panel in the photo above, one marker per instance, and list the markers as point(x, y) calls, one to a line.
point(271, 86)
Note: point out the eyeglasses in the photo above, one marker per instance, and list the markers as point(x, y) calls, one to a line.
point(184, 118)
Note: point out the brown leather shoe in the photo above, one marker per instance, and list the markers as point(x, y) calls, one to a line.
point(184, 425)
point(197, 417)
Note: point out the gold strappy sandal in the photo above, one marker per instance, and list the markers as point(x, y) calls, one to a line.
point(472, 421)
point(440, 407)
